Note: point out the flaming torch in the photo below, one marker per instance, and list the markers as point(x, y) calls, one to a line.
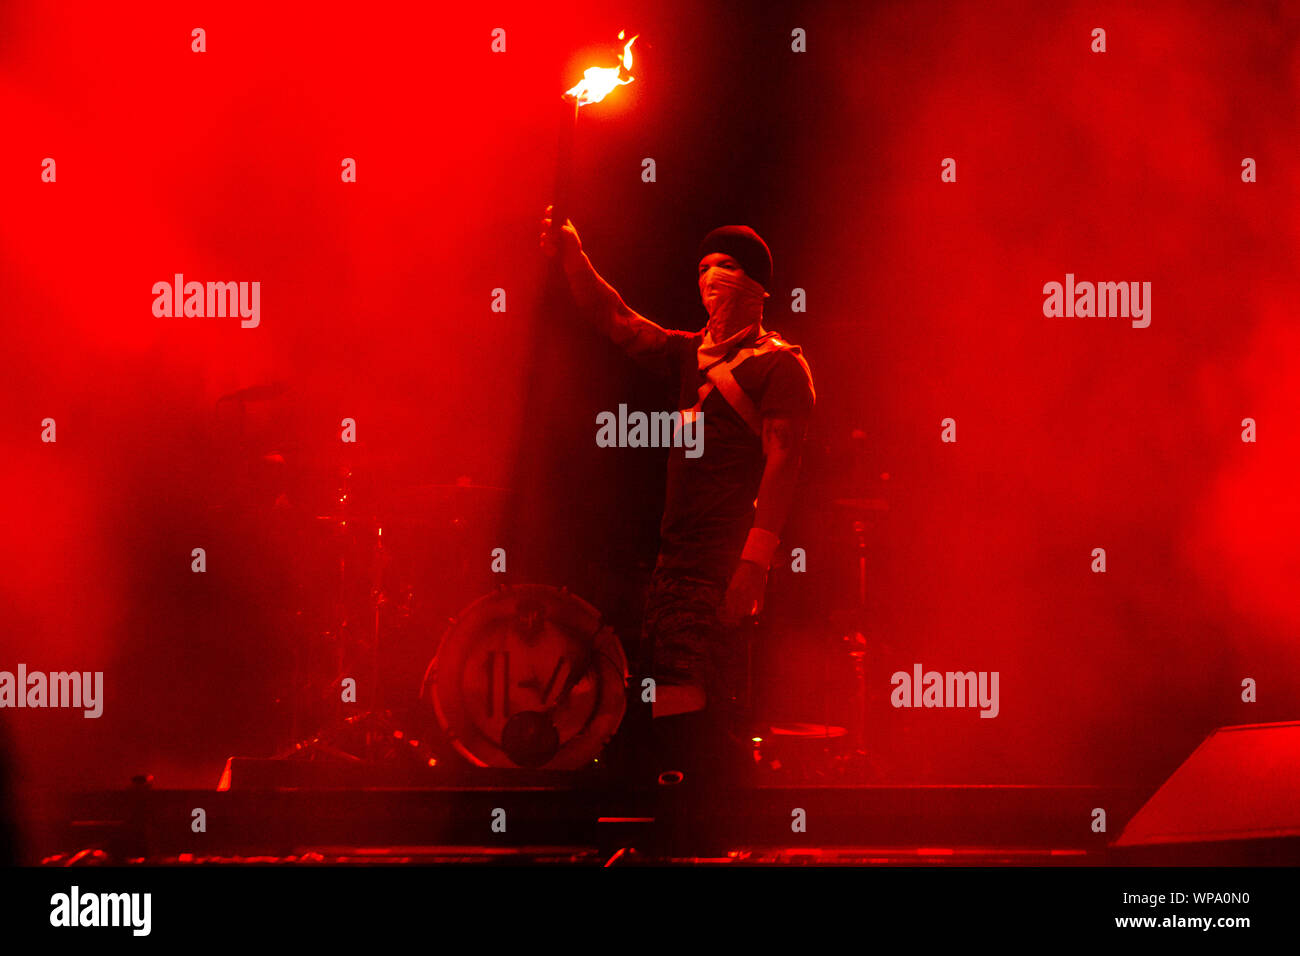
point(597, 82)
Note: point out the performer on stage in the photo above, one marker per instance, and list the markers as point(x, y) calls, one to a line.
point(725, 509)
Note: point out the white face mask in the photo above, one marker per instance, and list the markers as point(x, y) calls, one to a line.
point(734, 301)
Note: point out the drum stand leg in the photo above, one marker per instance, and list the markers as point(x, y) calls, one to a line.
point(858, 760)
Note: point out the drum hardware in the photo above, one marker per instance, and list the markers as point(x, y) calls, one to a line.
point(823, 748)
point(854, 643)
point(323, 506)
point(367, 737)
point(801, 750)
point(527, 676)
point(351, 642)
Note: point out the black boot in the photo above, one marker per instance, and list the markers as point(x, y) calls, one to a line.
point(702, 776)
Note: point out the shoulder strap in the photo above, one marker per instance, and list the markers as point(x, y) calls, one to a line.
point(721, 376)
point(725, 382)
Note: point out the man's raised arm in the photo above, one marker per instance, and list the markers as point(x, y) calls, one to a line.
point(598, 300)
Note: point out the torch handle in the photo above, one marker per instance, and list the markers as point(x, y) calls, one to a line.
point(564, 163)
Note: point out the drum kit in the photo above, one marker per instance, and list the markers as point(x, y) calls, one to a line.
point(525, 676)
point(411, 648)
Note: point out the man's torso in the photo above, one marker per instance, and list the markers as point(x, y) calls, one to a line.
point(709, 503)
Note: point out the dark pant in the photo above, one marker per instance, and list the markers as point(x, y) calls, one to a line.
point(691, 647)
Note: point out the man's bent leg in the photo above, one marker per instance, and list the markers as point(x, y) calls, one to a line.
point(692, 669)
point(679, 620)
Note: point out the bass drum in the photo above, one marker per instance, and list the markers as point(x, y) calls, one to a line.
point(528, 677)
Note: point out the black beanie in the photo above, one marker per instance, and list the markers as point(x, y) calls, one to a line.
point(746, 247)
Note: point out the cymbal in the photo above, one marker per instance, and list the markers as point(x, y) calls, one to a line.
point(862, 504)
point(451, 492)
point(425, 502)
point(806, 730)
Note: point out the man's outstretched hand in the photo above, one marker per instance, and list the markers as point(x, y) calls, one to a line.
point(744, 593)
point(566, 243)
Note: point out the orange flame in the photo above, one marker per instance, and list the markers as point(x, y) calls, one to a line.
point(599, 81)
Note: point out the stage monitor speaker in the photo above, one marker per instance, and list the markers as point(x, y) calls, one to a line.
point(1239, 790)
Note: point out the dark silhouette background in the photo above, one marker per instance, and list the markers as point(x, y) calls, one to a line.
point(924, 302)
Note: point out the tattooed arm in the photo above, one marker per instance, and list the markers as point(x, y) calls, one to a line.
point(782, 439)
point(628, 329)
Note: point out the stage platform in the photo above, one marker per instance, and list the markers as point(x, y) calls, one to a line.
point(538, 820)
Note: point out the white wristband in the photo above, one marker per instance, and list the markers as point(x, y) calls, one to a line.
point(760, 547)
